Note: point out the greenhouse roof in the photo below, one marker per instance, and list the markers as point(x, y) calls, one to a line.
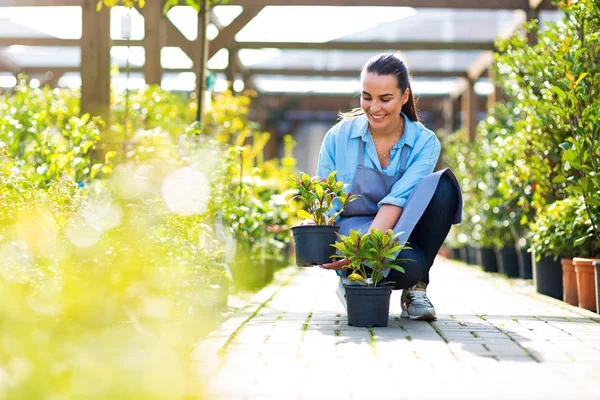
point(295, 49)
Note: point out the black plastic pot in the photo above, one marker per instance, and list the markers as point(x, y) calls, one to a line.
point(525, 265)
point(487, 257)
point(508, 262)
point(597, 265)
point(368, 306)
point(455, 253)
point(464, 254)
point(547, 276)
point(313, 244)
point(472, 255)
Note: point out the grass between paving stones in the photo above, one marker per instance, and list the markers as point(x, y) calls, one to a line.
point(306, 321)
point(373, 341)
point(438, 331)
point(337, 332)
point(223, 350)
point(409, 338)
point(402, 328)
point(526, 350)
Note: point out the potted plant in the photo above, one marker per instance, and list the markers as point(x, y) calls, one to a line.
point(370, 254)
point(557, 233)
point(323, 200)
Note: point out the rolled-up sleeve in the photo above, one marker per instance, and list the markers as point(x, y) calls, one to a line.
point(423, 165)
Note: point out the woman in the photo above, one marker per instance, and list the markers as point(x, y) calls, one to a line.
point(387, 157)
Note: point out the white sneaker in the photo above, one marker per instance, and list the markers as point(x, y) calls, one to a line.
point(416, 305)
point(340, 290)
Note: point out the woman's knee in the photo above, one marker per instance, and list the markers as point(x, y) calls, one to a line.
point(414, 263)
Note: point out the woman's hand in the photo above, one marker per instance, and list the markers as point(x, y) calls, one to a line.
point(336, 265)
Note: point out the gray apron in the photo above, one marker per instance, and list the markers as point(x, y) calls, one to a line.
point(372, 186)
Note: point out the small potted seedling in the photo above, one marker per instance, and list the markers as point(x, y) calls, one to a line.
point(322, 201)
point(370, 254)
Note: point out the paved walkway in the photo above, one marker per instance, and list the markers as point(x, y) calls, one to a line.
point(493, 339)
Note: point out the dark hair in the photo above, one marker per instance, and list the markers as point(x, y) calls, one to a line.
point(390, 64)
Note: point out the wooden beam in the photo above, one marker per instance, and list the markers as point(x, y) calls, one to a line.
point(374, 46)
point(348, 73)
point(6, 42)
point(469, 111)
point(177, 39)
point(226, 37)
point(154, 26)
point(202, 59)
point(7, 65)
point(250, 72)
point(230, 71)
point(481, 64)
point(456, 4)
point(40, 3)
point(95, 60)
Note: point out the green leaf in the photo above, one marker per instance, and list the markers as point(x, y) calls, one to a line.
point(559, 92)
point(593, 201)
point(583, 75)
point(304, 214)
point(559, 179)
point(565, 146)
point(580, 241)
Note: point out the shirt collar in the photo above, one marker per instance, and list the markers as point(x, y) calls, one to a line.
point(410, 130)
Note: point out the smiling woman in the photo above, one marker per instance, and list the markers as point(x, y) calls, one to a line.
point(387, 157)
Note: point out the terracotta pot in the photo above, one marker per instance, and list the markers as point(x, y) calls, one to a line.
point(586, 287)
point(569, 282)
point(597, 265)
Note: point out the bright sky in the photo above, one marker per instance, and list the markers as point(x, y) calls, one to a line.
point(291, 23)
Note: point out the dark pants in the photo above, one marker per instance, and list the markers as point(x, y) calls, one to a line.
point(427, 237)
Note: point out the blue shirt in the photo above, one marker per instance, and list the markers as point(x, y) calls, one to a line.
point(339, 152)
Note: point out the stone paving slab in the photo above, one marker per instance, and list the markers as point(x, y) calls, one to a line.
point(494, 338)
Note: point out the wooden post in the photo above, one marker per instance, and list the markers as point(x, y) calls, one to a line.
point(230, 71)
point(532, 14)
point(469, 110)
point(203, 21)
point(95, 60)
point(154, 40)
point(449, 115)
point(497, 94)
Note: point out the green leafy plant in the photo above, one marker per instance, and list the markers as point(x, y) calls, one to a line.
point(370, 254)
point(563, 229)
point(323, 199)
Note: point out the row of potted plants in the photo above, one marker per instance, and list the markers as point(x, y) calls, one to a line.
point(531, 179)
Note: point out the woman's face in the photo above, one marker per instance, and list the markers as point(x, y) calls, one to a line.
point(382, 100)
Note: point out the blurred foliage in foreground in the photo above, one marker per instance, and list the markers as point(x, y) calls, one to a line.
point(111, 258)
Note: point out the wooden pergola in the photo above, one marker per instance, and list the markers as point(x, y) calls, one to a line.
point(95, 44)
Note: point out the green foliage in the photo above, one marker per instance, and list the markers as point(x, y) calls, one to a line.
point(555, 84)
point(103, 297)
point(563, 229)
point(106, 287)
point(41, 129)
point(323, 199)
point(371, 253)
